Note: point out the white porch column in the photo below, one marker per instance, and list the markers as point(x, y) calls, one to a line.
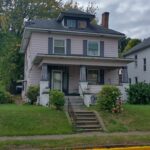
point(44, 86)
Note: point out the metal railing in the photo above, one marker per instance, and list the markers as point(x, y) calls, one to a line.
point(71, 111)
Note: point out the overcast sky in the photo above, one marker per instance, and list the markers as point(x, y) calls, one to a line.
point(131, 17)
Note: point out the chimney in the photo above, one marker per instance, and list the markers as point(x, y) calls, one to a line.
point(105, 20)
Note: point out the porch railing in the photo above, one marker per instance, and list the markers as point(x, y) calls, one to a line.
point(71, 111)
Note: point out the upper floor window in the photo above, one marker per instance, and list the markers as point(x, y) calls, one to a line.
point(136, 64)
point(93, 48)
point(71, 23)
point(82, 24)
point(144, 64)
point(59, 46)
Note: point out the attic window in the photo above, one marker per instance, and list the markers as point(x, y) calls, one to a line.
point(71, 23)
point(82, 24)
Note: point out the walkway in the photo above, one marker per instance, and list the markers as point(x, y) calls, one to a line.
point(59, 137)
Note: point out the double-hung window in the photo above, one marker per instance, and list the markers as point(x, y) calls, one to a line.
point(59, 46)
point(92, 76)
point(71, 23)
point(93, 48)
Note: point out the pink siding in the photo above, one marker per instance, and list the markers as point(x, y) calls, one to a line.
point(39, 44)
point(110, 47)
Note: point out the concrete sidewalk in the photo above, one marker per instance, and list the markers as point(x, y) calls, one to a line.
point(59, 137)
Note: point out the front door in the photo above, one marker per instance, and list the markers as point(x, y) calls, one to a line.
point(57, 80)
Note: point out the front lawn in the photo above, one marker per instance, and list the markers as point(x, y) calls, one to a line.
point(32, 120)
point(133, 118)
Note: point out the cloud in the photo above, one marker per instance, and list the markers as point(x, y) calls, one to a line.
point(129, 16)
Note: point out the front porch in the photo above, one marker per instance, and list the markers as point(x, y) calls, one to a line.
point(73, 77)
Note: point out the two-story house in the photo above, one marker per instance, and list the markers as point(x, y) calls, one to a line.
point(139, 70)
point(71, 54)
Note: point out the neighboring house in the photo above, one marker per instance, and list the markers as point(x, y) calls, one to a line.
point(71, 54)
point(139, 70)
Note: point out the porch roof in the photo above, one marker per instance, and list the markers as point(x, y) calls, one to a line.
point(80, 60)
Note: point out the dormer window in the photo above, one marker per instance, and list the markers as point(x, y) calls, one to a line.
point(82, 24)
point(71, 23)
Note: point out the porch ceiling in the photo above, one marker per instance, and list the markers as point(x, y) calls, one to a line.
point(80, 60)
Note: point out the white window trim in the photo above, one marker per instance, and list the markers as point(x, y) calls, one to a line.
point(88, 47)
point(64, 45)
point(61, 78)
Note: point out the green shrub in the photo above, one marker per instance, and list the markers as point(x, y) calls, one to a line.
point(139, 93)
point(32, 93)
point(5, 97)
point(107, 97)
point(57, 98)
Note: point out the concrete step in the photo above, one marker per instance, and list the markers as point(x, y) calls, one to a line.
point(84, 112)
point(77, 103)
point(85, 115)
point(88, 126)
point(87, 122)
point(89, 130)
point(86, 118)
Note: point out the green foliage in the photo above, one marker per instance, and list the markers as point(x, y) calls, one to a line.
point(5, 97)
point(11, 61)
point(123, 43)
point(57, 98)
point(32, 93)
point(131, 44)
point(107, 97)
point(139, 93)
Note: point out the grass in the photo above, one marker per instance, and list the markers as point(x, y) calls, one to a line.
point(32, 120)
point(77, 142)
point(133, 118)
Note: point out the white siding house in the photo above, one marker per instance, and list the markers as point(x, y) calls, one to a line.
point(139, 70)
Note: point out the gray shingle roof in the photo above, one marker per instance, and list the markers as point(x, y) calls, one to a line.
point(140, 46)
point(53, 24)
point(75, 13)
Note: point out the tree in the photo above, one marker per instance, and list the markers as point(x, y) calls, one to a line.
point(11, 61)
point(123, 43)
point(18, 10)
point(131, 44)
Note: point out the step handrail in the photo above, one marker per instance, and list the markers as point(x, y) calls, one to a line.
point(71, 111)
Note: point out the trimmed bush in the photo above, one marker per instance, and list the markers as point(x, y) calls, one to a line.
point(33, 93)
point(57, 98)
point(107, 98)
point(5, 97)
point(139, 93)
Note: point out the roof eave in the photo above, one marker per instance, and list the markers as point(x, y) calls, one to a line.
point(137, 50)
point(63, 14)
